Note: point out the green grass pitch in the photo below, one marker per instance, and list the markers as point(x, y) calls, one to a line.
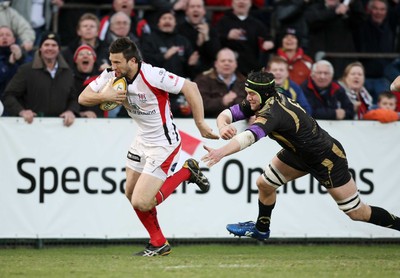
point(204, 261)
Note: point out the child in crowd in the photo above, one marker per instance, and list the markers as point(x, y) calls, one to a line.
point(386, 111)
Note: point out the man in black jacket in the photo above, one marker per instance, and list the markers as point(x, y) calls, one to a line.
point(203, 38)
point(43, 87)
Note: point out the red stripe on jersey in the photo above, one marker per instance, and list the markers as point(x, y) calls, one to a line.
point(167, 163)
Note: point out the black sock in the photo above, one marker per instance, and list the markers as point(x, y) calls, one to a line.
point(381, 217)
point(264, 216)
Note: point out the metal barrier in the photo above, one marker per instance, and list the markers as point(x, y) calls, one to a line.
point(320, 55)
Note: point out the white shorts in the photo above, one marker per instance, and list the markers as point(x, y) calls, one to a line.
point(158, 161)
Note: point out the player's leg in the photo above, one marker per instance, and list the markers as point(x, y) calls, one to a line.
point(143, 180)
point(275, 174)
point(349, 202)
point(190, 172)
point(144, 202)
point(131, 179)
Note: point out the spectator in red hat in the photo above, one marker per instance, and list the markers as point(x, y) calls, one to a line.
point(43, 87)
point(298, 62)
point(85, 72)
point(87, 31)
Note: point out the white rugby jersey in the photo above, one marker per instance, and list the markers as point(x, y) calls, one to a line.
point(147, 102)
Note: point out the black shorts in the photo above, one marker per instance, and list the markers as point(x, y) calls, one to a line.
point(331, 169)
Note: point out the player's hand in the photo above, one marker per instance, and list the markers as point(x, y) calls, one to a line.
point(110, 94)
point(227, 132)
point(69, 117)
point(213, 156)
point(206, 131)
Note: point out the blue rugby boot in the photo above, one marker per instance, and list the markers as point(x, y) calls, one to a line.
point(247, 229)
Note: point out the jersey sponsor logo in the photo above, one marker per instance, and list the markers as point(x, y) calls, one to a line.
point(136, 112)
point(133, 157)
point(142, 97)
point(136, 109)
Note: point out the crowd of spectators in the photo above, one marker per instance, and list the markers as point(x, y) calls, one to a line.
point(50, 50)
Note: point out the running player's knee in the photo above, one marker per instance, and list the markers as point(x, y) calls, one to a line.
point(141, 207)
point(352, 207)
point(141, 204)
point(273, 177)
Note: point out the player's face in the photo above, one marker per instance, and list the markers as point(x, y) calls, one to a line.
point(254, 99)
point(119, 65)
point(387, 103)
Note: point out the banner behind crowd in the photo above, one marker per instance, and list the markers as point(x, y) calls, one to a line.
point(59, 182)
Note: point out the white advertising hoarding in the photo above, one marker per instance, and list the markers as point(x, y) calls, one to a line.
point(59, 182)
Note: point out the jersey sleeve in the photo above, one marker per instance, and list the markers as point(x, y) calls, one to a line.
point(97, 84)
point(165, 80)
point(241, 111)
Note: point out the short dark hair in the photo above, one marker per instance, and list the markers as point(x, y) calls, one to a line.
point(386, 94)
point(127, 47)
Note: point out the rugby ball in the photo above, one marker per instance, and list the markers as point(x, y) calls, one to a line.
point(118, 85)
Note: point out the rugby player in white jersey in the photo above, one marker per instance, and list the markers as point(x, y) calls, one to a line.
point(155, 150)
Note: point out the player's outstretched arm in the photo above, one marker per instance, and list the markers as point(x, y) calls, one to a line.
point(238, 143)
point(195, 101)
point(395, 86)
point(215, 155)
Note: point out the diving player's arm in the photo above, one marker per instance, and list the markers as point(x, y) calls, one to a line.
point(238, 143)
point(224, 120)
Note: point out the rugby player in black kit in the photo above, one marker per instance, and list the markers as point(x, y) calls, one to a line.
point(306, 148)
